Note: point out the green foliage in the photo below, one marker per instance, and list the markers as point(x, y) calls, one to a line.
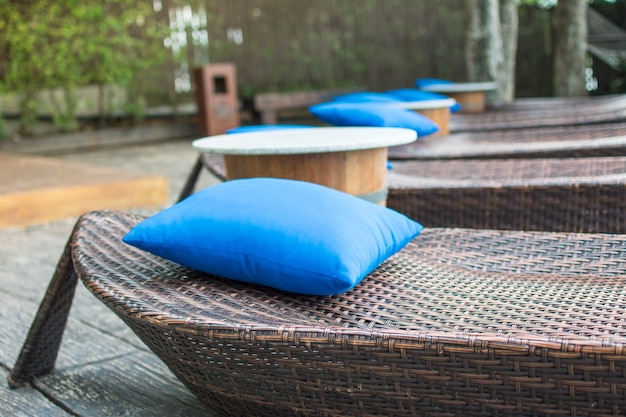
point(614, 11)
point(619, 84)
point(49, 44)
point(3, 130)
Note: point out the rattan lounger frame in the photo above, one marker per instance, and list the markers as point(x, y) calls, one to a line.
point(590, 140)
point(550, 194)
point(525, 113)
point(459, 323)
point(559, 195)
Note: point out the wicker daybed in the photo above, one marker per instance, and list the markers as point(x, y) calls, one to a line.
point(459, 323)
point(550, 194)
point(602, 139)
point(587, 140)
point(524, 113)
point(570, 194)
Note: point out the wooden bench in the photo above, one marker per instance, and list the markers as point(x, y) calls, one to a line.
point(269, 104)
point(40, 190)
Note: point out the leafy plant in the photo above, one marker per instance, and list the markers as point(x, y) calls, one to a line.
point(3, 130)
point(49, 44)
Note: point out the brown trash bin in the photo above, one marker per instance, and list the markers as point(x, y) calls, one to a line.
point(216, 98)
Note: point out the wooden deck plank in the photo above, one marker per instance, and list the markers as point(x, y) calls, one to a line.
point(82, 343)
point(19, 307)
point(32, 254)
point(133, 385)
point(96, 374)
point(26, 401)
point(103, 346)
point(35, 190)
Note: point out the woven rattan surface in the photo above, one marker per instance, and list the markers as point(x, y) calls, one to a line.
point(551, 194)
point(593, 104)
point(461, 322)
point(570, 194)
point(604, 139)
point(543, 112)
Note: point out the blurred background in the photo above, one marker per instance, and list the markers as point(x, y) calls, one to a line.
point(78, 63)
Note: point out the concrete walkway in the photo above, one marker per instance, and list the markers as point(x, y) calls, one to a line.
point(103, 369)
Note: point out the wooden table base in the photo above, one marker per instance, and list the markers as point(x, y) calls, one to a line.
point(441, 116)
point(470, 101)
point(362, 173)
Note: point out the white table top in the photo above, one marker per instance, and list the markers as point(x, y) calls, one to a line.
point(300, 141)
point(427, 104)
point(459, 87)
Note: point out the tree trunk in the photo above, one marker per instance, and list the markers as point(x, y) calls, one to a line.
point(569, 31)
point(492, 46)
point(484, 46)
point(509, 23)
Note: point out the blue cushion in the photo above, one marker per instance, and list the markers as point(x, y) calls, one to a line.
point(413, 94)
point(254, 128)
point(423, 82)
point(291, 235)
point(373, 114)
point(366, 97)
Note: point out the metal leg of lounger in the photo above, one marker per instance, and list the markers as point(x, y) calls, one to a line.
point(191, 179)
point(40, 350)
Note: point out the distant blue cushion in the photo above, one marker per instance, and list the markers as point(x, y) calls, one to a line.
point(254, 128)
point(290, 235)
point(413, 94)
point(373, 114)
point(423, 82)
point(366, 97)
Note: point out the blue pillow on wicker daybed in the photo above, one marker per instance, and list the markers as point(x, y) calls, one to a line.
point(256, 128)
point(373, 114)
point(424, 82)
point(290, 235)
point(366, 97)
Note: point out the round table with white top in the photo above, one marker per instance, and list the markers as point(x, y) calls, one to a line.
point(349, 159)
point(437, 110)
point(470, 95)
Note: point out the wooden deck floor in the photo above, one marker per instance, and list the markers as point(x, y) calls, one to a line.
point(103, 369)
